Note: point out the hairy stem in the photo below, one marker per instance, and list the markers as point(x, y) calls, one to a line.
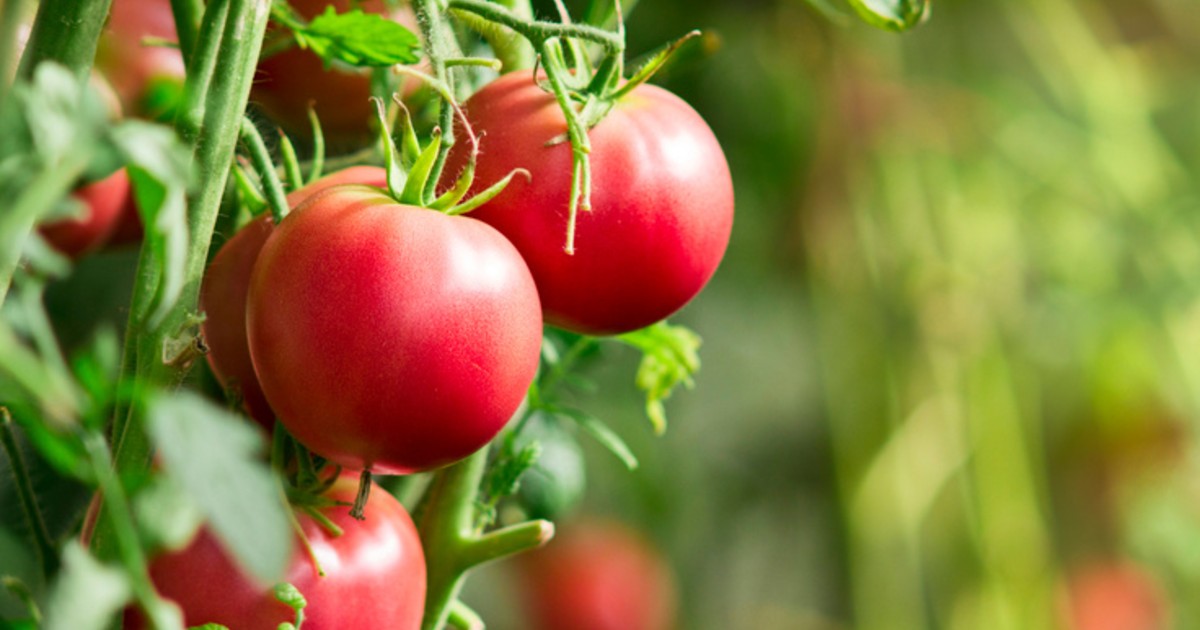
point(65, 31)
point(46, 551)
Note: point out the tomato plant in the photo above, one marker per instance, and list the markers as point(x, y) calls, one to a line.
point(662, 202)
point(391, 337)
point(374, 574)
point(104, 203)
point(223, 295)
point(598, 575)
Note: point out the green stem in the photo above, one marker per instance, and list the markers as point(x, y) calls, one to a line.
point(223, 106)
point(276, 199)
point(202, 65)
point(463, 618)
point(187, 25)
point(446, 520)
point(47, 554)
point(449, 534)
point(11, 14)
point(538, 32)
point(512, 50)
point(65, 31)
point(120, 522)
point(439, 46)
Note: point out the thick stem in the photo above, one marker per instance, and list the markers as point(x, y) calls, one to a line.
point(450, 535)
point(446, 520)
point(187, 25)
point(11, 13)
point(65, 31)
point(439, 46)
point(46, 551)
point(223, 107)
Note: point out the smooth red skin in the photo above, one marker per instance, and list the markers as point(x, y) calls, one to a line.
point(598, 576)
point(123, 58)
point(662, 202)
point(103, 202)
point(223, 295)
point(287, 82)
point(391, 337)
point(374, 575)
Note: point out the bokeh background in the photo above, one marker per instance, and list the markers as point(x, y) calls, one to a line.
point(952, 358)
point(950, 366)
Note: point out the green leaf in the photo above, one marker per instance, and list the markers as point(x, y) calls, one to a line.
point(892, 15)
point(166, 516)
point(669, 358)
point(216, 458)
point(158, 166)
point(601, 433)
point(359, 39)
point(86, 594)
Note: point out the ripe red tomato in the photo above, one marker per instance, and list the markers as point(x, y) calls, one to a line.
point(223, 295)
point(598, 575)
point(103, 201)
point(1115, 596)
point(391, 337)
point(288, 81)
point(662, 202)
point(131, 66)
point(374, 574)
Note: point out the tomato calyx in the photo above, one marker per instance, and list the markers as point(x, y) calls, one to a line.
point(585, 94)
point(413, 170)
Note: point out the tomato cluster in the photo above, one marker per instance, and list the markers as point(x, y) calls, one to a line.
point(374, 574)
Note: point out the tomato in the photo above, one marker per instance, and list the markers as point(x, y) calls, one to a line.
point(223, 295)
point(134, 69)
point(662, 202)
point(374, 574)
point(103, 201)
point(598, 575)
point(391, 337)
point(1115, 595)
point(288, 81)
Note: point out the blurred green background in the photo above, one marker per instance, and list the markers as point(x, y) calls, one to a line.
point(950, 370)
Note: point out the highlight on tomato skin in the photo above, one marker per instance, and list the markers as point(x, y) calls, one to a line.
point(388, 336)
point(223, 295)
point(661, 202)
point(374, 574)
point(597, 575)
point(104, 203)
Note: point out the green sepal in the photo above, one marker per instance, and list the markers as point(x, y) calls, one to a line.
point(455, 194)
point(488, 194)
point(414, 189)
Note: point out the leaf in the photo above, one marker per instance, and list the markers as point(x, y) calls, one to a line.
point(86, 594)
point(892, 15)
point(166, 516)
point(359, 39)
point(601, 433)
point(215, 457)
point(158, 166)
point(669, 358)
